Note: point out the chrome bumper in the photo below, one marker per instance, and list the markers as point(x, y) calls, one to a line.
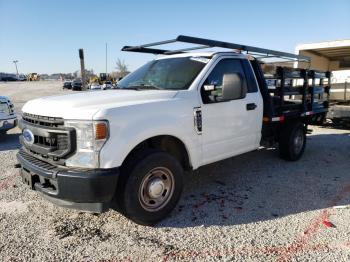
point(7, 124)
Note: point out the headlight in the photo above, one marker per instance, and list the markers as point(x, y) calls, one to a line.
point(91, 136)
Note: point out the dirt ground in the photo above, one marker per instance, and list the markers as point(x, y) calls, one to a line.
point(254, 207)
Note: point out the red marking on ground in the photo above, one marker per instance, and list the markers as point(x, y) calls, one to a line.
point(285, 253)
point(245, 251)
point(328, 223)
point(312, 229)
point(6, 182)
point(346, 245)
point(203, 202)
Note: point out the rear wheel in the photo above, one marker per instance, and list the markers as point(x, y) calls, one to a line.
point(292, 141)
point(150, 186)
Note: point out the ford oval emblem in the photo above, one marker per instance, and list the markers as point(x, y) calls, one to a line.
point(28, 136)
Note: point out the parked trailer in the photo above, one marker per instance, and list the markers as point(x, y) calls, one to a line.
point(335, 57)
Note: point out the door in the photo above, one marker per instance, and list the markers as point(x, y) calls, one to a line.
point(229, 127)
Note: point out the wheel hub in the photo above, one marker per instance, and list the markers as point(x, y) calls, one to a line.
point(155, 188)
point(298, 141)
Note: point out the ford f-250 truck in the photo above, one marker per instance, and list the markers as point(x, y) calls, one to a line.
point(130, 146)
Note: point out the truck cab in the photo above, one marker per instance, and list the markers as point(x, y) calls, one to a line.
point(130, 146)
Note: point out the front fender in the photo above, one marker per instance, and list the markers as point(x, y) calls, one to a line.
point(131, 128)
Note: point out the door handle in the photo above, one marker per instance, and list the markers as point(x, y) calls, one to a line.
point(251, 106)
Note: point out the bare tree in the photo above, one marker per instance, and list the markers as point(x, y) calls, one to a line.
point(122, 67)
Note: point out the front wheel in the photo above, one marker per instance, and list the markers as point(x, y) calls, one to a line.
point(292, 141)
point(151, 185)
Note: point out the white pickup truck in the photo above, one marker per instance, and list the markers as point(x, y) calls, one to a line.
point(130, 146)
point(8, 118)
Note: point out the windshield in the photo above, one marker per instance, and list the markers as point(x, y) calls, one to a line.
point(4, 109)
point(170, 74)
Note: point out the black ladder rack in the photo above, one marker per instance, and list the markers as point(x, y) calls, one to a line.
point(202, 43)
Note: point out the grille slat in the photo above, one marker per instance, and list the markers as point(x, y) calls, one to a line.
point(36, 162)
point(43, 120)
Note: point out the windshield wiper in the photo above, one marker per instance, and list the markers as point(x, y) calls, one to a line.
point(139, 87)
point(145, 87)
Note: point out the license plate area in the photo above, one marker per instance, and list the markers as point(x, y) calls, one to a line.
point(27, 178)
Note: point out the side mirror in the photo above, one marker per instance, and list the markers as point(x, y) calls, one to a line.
point(232, 87)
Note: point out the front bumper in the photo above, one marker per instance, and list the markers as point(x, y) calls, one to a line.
point(89, 190)
point(7, 124)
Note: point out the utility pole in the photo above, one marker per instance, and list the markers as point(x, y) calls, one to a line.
point(82, 68)
point(15, 62)
point(106, 59)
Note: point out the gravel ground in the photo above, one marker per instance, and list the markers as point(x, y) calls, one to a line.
point(252, 207)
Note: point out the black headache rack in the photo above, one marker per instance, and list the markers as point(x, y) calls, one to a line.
point(287, 92)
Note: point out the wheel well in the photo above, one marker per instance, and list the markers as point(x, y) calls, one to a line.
point(169, 144)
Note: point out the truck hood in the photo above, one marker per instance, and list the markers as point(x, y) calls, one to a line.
point(84, 105)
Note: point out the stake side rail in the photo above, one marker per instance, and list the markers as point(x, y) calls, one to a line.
point(297, 93)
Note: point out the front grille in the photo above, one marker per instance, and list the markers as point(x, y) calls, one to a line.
point(52, 140)
point(60, 141)
point(43, 120)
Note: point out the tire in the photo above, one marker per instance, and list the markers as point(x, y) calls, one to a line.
point(150, 186)
point(292, 141)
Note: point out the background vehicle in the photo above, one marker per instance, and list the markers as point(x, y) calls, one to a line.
point(77, 85)
point(8, 119)
point(67, 84)
point(22, 77)
point(7, 77)
point(95, 86)
point(107, 85)
point(131, 146)
point(33, 77)
point(94, 80)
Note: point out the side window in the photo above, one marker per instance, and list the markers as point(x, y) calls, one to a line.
point(251, 82)
point(211, 91)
